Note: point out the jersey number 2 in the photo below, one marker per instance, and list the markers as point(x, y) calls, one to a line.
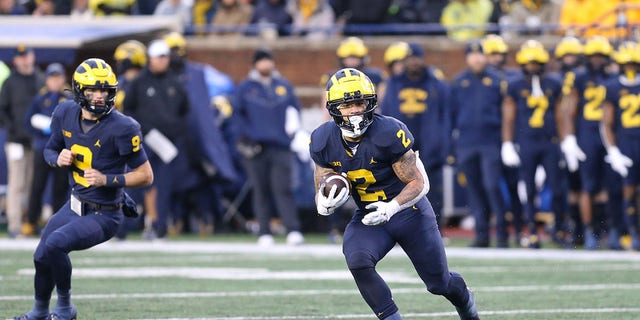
point(362, 179)
point(630, 105)
point(593, 107)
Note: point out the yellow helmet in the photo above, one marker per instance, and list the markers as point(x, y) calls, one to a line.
point(494, 44)
point(96, 74)
point(352, 47)
point(131, 53)
point(598, 45)
point(395, 52)
point(627, 53)
point(345, 86)
point(532, 51)
point(176, 42)
point(567, 46)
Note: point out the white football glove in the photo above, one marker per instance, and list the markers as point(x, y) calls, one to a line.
point(300, 145)
point(326, 205)
point(618, 161)
point(509, 154)
point(383, 212)
point(572, 152)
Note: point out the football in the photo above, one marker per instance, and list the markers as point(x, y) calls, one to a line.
point(331, 179)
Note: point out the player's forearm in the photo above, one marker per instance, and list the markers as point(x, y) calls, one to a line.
point(411, 193)
point(567, 112)
point(318, 173)
point(508, 119)
point(51, 157)
point(139, 177)
point(410, 170)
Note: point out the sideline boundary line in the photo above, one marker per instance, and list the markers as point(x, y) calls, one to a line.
point(207, 247)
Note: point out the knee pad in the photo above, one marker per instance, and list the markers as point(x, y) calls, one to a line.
point(360, 260)
point(439, 286)
point(56, 241)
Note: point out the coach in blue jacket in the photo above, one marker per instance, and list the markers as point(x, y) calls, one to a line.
point(419, 98)
point(476, 98)
point(261, 105)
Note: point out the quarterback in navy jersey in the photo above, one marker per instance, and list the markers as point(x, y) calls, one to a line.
point(389, 188)
point(621, 134)
point(96, 143)
point(529, 115)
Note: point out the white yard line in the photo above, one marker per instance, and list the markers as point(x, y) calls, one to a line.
point(331, 250)
point(282, 293)
point(426, 315)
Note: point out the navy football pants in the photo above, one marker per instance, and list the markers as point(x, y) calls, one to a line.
point(482, 167)
point(547, 155)
point(417, 233)
point(66, 232)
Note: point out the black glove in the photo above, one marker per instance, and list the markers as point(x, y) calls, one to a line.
point(129, 207)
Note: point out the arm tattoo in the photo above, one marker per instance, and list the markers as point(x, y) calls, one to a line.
point(406, 170)
point(318, 173)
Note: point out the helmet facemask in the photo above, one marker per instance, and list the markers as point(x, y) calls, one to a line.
point(353, 125)
point(348, 89)
point(80, 96)
point(94, 74)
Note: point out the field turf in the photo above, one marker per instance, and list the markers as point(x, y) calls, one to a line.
point(231, 278)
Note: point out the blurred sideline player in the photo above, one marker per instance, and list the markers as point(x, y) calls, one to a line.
point(131, 58)
point(419, 97)
point(476, 99)
point(569, 54)
point(394, 57)
point(96, 143)
point(530, 115)
point(208, 90)
point(582, 148)
point(389, 188)
point(621, 131)
point(497, 52)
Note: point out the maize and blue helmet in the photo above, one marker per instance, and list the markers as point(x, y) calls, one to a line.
point(346, 86)
point(95, 73)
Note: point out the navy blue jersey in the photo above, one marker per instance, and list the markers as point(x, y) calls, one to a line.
point(591, 94)
point(422, 106)
point(626, 100)
point(369, 168)
point(476, 102)
point(260, 110)
point(114, 142)
point(535, 116)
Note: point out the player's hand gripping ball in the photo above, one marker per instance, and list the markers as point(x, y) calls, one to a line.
point(334, 192)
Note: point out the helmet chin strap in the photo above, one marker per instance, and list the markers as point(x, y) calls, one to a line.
point(355, 121)
point(630, 78)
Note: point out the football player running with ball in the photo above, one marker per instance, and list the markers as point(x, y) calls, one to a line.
point(389, 188)
point(95, 142)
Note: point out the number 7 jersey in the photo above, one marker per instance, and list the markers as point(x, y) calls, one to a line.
point(535, 116)
point(369, 168)
point(111, 145)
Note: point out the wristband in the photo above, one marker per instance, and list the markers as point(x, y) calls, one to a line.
point(115, 180)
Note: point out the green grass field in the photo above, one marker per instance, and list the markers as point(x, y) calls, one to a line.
point(235, 279)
